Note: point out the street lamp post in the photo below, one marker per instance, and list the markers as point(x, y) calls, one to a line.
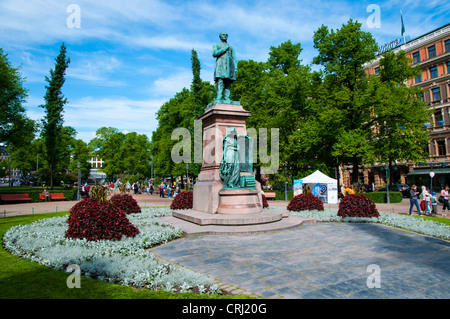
point(151, 172)
point(285, 184)
point(187, 176)
point(387, 183)
point(431, 177)
point(79, 180)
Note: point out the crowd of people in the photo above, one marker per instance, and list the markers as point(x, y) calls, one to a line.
point(428, 201)
point(146, 187)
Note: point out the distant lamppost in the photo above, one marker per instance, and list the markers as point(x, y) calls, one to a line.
point(387, 183)
point(79, 180)
point(431, 177)
point(285, 184)
point(187, 176)
point(151, 162)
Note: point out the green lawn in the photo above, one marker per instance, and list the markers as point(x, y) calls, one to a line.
point(23, 279)
point(437, 219)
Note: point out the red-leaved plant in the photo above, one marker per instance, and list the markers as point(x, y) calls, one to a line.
point(305, 202)
point(94, 221)
point(126, 202)
point(357, 206)
point(183, 200)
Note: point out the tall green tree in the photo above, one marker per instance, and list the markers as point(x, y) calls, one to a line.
point(54, 108)
point(180, 112)
point(343, 53)
point(107, 144)
point(121, 153)
point(196, 85)
point(276, 93)
point(16, 129)
point(398, 130)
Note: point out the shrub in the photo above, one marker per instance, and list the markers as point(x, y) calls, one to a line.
point(357, 206)
point(183, 200)
point(305, 202)
point(94, 221)
point(381, 197)
point(264, 201)
point(126, 203)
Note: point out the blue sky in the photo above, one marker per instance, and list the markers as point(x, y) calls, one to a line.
point(129, 57)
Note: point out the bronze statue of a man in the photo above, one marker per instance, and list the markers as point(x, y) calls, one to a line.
point(226, 67)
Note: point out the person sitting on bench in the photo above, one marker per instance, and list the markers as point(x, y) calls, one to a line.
point(46, 195)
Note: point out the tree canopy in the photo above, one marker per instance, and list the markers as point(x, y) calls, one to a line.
point(52, 124)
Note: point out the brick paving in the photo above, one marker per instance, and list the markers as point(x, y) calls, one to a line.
point(320, 261)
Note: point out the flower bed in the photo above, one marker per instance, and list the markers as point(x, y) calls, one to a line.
point(357, 206)
point(305, 202)
point(421, 226)
point(93, 220)
point(124, 261)
point(184, 200)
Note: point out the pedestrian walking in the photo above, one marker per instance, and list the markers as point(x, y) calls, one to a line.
point(444, 194)
point(425, 196)
point(161, 190)
point(342, 191)
point(434, 202)
point(413, 199)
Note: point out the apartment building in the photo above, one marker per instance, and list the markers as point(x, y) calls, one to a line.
point(431, 52)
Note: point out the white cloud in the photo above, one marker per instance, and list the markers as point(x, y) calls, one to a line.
point(95, 68)
point(171, 84)
point(89, 114)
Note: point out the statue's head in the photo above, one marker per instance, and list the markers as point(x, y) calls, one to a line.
point(223, 36)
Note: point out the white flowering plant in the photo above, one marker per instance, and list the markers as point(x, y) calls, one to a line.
point(419, 225)
point(126, 261)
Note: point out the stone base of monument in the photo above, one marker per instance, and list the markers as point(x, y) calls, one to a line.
point(202, 219)
point(199, 223)
point(196, 223)
point(239, 201)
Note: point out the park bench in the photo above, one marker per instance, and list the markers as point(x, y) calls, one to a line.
point(53, 196)
point(269, 195)
point(14, 197)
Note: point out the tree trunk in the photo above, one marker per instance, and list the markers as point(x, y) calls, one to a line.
point(355, 172)
point(51, 176)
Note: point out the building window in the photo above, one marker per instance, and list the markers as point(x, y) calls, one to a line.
point(441, 147)
point(416, 57)
point(438, 117)
point(436, 94)
point(448, 66)
point(377, 70)
point(418, 79)
point(447, 45)
point(433, 72)
point(431, 51)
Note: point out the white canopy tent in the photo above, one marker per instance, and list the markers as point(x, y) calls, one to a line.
point(322, 186)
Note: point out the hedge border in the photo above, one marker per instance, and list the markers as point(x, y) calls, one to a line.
point(381, 197)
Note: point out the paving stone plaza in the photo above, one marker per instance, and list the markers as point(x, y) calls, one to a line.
point(320, 261)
